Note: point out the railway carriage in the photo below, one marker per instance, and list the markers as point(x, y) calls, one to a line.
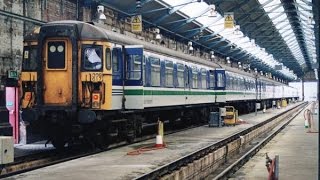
point(98, 85)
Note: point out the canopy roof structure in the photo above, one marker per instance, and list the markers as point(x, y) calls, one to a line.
point(266, 32)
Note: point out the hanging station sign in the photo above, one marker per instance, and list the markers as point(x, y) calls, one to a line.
point(228, 20)
point(136, 23)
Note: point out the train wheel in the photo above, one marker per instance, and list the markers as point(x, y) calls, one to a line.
point(58, 143)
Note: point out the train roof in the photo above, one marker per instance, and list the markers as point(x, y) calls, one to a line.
point(94, 31)
point(86, 31)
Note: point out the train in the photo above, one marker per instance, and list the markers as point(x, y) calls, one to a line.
point(80, 81)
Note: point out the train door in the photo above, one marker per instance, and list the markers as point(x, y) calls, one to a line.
point(220, 85)
point(57, 72)
point(186, 83)
point(133, 82)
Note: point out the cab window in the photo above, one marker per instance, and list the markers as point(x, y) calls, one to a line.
point(56, 55)
point(92, 60)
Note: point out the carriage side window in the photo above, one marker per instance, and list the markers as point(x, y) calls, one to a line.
point(155, 71)
point(108, 59)
point(134, 67)
point(194, 78)
point(169, 73)
point(56, 55)
point(180, 75)
point(231, 83)
point(115, 61)
point(203, 79)
point(211, 76)
point(29, 62)
point(92, 58)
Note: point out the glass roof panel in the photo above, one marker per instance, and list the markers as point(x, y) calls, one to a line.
point(287, 35)
point(189, 9)
point(199, 11)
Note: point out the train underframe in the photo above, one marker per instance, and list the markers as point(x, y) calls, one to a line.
point(61, 126)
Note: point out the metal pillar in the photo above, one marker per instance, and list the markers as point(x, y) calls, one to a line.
point(255, 104)
point(302, 81)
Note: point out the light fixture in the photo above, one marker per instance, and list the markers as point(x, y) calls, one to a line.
point(201, 32)
point(190, 46)
point(261, 73)
point(157, 31)
point(252, 42)
point(236, 30)
point(310, 20)
point(212, 12)
point(138, 4)
point(211, 54)
point(158, 37)
point(100, 11)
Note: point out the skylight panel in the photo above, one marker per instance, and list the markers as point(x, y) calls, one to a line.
point(199, 11)
point(195, 9)
point(288, 37)
point(175, 2)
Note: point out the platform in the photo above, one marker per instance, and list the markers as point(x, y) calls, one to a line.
point(116, 164)
point(297, 150)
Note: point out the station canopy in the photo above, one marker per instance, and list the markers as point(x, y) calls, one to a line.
point(265, 33)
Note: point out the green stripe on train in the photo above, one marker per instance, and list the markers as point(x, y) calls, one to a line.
point(137, 92)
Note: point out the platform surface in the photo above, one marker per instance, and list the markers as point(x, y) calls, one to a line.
point(116, 164)
point(297, 150)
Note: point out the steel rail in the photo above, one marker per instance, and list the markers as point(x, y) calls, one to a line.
point(170, 167)
point(243, 159)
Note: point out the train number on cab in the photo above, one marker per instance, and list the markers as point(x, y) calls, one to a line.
point(96, 77)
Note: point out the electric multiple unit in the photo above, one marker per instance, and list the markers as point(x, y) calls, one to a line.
point(79, 80)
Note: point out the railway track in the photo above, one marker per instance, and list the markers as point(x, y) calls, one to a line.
point(217, 157)
point(48, 158)
point(251, 151)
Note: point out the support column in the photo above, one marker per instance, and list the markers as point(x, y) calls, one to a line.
point(302, 81)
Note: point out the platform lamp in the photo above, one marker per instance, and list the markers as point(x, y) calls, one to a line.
point(190, 48)
point(239, 65)
point(100, 11)
point(157, 31)
point(228, 60)
point(212, 55)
